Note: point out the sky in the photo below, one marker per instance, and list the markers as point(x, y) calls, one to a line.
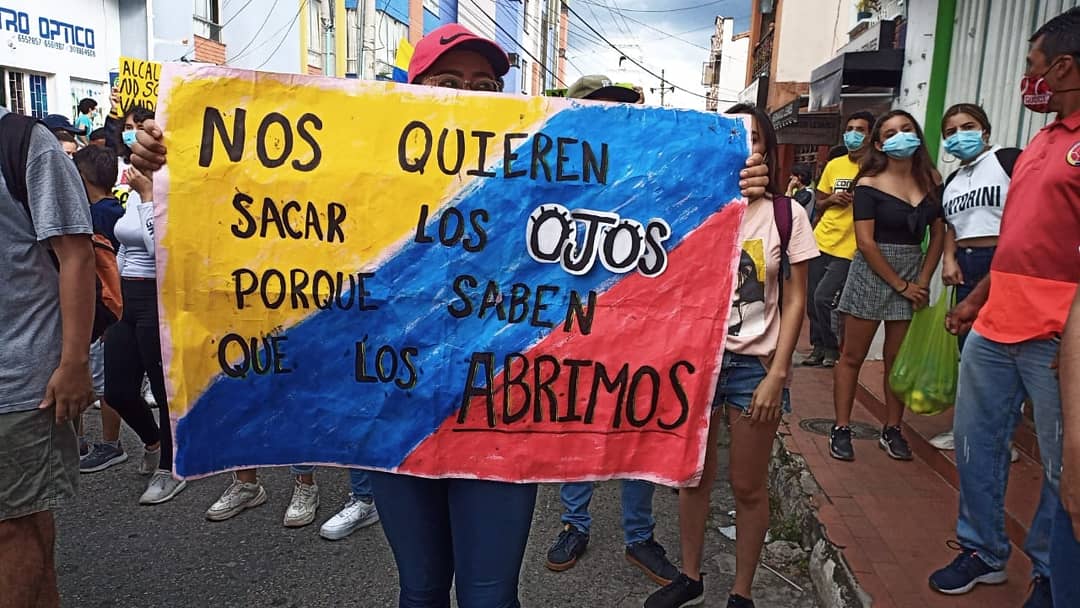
point(669, 35)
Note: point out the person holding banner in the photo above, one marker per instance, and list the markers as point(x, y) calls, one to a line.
point(466, 533)
point(642, 550)
point(133, 344)
point(751, 394)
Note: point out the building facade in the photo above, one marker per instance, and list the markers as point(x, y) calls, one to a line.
point(56, 52)
point(724, 72)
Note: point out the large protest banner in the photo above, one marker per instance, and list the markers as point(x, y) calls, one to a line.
point(441, 283)
point(136, 80)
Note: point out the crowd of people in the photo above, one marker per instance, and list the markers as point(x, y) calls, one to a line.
point(857, 251)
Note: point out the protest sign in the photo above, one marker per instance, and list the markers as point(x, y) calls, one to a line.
point(136, 81)
point(441, 283)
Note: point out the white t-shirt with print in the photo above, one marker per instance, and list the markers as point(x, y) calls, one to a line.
point(754, 324)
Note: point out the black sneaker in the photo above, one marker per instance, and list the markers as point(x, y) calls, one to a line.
point(840, 443)
point(683, 591)
point(815, 358)
point(966, 571)
point(1040, 596)
point(829, 359)
point(894, 444)
point(738, 601)
point(651, 557)
point(567, 549)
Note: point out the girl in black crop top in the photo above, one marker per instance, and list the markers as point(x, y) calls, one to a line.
point(897, 198)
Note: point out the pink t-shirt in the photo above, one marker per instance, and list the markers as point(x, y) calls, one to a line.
point(754, 324)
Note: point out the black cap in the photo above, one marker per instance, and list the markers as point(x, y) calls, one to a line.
point(59, 122)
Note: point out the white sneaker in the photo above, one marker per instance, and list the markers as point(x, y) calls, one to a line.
point(1014, 455)
point(237, 497)
point(302, 506)
point(354, 515)
point(162, 488)
point(944, 441)
point(150, 461)
point(147, 393)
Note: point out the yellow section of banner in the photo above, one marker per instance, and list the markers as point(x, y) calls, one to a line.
point(282, 188)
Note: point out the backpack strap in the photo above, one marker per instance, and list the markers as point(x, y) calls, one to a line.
point(15, 132)
point(784, 222)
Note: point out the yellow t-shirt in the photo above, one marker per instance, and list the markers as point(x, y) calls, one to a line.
point(835, 232)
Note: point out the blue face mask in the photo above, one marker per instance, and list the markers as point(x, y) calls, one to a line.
point(129, 138)
point(902, 145)
point(853, 140)
point(965, 145)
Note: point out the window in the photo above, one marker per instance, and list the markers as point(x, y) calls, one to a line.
point(524, 77)
point(525, 16)
point(39, 96)
point(316, 33)
point(208, 19)
point(16, 92)
point(432, 6)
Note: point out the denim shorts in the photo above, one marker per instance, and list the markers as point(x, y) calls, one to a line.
point(739, 378)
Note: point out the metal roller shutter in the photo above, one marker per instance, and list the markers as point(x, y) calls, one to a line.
point(990, 42)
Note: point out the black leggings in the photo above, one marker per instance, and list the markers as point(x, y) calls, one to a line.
point(132, 348)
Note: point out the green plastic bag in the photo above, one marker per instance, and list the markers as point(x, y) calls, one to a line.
point(928, 363)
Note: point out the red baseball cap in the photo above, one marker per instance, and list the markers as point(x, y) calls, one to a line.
point(450, 37)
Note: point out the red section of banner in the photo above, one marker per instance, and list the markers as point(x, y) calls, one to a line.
point(648, 376)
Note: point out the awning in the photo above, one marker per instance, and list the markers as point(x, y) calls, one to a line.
point(868, 69)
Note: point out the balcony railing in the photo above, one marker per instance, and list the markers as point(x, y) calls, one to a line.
point(207, 29)
point(763, 55)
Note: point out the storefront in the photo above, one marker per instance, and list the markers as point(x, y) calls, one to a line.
point(56, 52)
point(804, 137)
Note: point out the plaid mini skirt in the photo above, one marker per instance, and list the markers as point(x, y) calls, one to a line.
point(867, 296)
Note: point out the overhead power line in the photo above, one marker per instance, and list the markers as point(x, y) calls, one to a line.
point(667, 10)
point(284, 36)
point(269, 13)
point(628, 57)
point(515, 41)
point(668, 34)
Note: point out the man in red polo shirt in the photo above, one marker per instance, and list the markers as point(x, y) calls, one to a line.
point(1021, 310)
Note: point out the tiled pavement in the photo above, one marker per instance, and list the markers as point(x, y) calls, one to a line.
point(892, 519)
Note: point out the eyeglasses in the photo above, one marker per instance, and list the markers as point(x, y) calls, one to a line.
point(449, 81)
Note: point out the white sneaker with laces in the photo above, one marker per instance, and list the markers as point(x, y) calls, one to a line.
point(162, 488)
point(147, 394)
point(150, 461)
point(302, 506)
point(944, 441)
point(354, 515)
point(237, 497)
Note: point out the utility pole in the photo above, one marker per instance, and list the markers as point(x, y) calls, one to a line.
point(663, 87)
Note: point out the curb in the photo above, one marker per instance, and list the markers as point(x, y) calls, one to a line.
point(793, 492)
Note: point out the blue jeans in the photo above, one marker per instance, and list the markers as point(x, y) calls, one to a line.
point(638, 522)
point(740, 376)
point(1064, 560)
point(994, 378)
point(464, 531)
point(359, 480)
point(974, 263)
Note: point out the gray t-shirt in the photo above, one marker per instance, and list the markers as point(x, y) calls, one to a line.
point(30, 332)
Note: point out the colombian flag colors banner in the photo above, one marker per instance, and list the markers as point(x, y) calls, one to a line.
point(441, 283)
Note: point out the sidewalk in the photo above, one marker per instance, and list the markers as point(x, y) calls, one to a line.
point(892, 519)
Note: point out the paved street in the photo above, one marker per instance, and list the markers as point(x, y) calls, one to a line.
point(113, 552)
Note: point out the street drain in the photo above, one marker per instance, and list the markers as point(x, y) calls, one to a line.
point(823, 426)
